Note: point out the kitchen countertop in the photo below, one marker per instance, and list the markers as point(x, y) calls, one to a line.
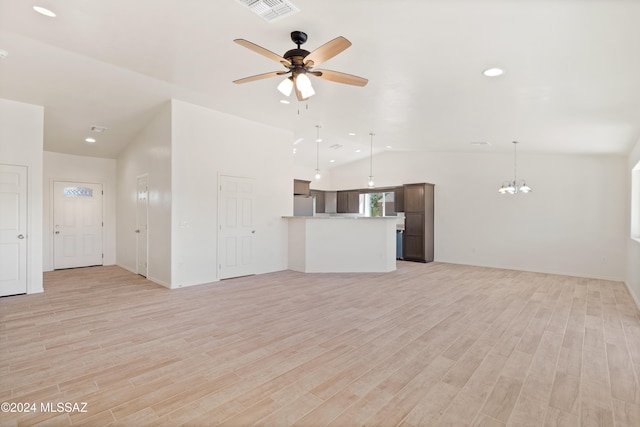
point(339, 217)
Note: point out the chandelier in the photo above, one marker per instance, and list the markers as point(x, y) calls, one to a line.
point(514, 186)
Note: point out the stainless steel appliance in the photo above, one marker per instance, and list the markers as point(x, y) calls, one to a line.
point(304, 206)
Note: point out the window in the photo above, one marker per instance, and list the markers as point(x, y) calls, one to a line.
point(635, 202)
point(377, 204)
point(78, 192)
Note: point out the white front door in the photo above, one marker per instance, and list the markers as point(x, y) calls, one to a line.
point(235, 227)
point(142, 206)
point(13, 230)
point(77, 224)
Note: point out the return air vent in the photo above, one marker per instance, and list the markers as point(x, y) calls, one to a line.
point(270, 10)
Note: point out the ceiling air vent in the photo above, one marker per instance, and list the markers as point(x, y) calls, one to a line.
point(270, 10)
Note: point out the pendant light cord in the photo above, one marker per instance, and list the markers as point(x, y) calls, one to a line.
point(515, 159)
point(371, 156)
point(318, 149)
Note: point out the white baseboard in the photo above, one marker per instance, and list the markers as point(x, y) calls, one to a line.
point(633, 295)
point(156, 281)
point(159, 282)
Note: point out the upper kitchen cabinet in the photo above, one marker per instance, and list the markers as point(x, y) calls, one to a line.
point(398, 196)
point(417, 241)
point(348, 201)
point(301, 187)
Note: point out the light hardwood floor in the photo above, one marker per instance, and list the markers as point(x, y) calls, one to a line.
point(427, 345)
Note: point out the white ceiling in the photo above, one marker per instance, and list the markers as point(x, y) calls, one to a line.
point(571, 82)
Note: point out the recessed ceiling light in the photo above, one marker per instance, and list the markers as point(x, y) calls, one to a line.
point(357, 151)
point(3, 53)
point(90, 140)
point(332, 161)
point(388, 146)
point(493, 72)
point(352, 134)
point(284, 101)
point(44, 11)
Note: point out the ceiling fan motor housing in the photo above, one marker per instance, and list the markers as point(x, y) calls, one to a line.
point(296, 56)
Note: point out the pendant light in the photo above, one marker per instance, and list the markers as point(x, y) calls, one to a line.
point(318, 141)
point(514, 186)
point(371, 182)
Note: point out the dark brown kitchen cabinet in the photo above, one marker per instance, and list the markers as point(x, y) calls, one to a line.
point(319, 196)
point(301, 187)
point(348, 201)
point(417, 239)
point(398, 196)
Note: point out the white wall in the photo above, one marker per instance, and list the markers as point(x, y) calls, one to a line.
point(207, 143)
point(149, 153)
point(307, 174)
point(632, 278)
point(67, 167)
point(21, 143)
point(574, 221)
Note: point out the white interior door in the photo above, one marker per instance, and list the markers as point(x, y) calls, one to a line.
point(13, 230)
point(142, 212)
point(77, 224)
point(235, 227)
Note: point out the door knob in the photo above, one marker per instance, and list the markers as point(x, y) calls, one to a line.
point(20, 236)
point(57, 232)
point(137, 231)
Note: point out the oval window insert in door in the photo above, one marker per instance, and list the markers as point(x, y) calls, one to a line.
point(78, 192)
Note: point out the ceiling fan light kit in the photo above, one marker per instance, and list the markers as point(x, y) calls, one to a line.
point(300, 62)
point(303, 85)
point(286, 86)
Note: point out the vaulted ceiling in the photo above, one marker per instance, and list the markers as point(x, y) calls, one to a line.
point(571, 82)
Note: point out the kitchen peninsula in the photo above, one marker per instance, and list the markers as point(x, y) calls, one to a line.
point(342, 244)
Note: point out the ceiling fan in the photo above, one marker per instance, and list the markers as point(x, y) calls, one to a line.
point(300, 62)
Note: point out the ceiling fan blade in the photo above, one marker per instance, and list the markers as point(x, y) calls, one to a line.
point(260, 76)
point(338, 77)
point(326, 51)
point(262, 51)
